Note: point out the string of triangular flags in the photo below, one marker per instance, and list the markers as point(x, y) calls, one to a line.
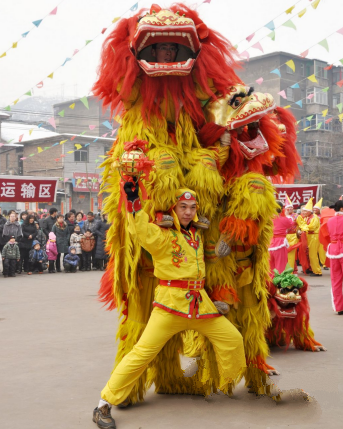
point(36, 24)
point(271, 26)
point(40, 84)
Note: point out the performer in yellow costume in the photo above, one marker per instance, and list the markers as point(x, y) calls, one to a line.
point(181, 302)
point(161, 69)
point(322, 254)
point(310, 224)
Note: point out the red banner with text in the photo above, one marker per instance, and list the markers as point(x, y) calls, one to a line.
point(299, 194)
point(28, 189)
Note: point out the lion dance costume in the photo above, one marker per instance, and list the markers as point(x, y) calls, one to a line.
point(209, 132)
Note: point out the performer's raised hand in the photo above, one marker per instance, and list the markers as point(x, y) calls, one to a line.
point(131, 190)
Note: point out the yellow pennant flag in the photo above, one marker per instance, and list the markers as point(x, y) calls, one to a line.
point(315, 4)
point(40, 149)
point(30, 131)
point(116, 19)
point(16, 101)
point(102, 156)
point(3, 55)
point(15, 44)
point(305, 129)
point(340, 117)
point(70, 151)
point(325, 112)
point(302, 13)
point(312, 78)
point(78, 181)
point(117, 118)
point(72, 106)
point(287, 107)
point(288, 11)
point(63, 141)
point(291, 65)
point(51, 75)
point(78, 146)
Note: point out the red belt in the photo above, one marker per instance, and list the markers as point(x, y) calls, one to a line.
point(279, 236)
point(184, 284)
point(311, 232)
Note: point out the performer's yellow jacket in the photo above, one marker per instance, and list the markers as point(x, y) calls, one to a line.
point(177, 256)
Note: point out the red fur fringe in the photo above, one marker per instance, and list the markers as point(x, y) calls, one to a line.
point(225, 294)
point(105, 293)
point(239, 229)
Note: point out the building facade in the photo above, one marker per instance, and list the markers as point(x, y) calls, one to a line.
point(320, 134)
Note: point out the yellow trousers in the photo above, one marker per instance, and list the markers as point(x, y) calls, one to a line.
point(225, 338)
point(313, 247)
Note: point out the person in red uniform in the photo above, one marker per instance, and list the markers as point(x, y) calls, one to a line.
point(335, 254)
point(279, 244)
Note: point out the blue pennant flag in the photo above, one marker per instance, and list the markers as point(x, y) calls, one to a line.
point(296, 85)
point(55, 144)
point(276, 71)
point(65, 61)
point(107, 125)
point(134, 7)
point(88, 144)
point(96, 140)
point(270, 25)
point(299, 103)
point(39, 125)
point(36, 23)
point(25, 34)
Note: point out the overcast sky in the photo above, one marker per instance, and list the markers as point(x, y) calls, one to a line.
point(46, 47)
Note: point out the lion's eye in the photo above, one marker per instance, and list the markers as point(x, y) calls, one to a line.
point(237, 102)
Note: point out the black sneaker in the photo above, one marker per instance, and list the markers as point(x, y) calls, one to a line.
point(340, 313)
point(102, 417)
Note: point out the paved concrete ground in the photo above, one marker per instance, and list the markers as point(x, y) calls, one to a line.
point(57, 350)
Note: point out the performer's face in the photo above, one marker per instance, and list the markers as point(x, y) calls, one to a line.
point(165, 52)
point(185, 211)
point(289, 211)
point(307, 213)
point(316, 211)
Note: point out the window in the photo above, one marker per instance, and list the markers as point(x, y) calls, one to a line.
point(337, 99)
point(319, 69)
point(320, 96)
point(290, 96)
point(302, 69)
point(289, 70)
point(308, 70)
point(81, 155)
point(106, 149)
point(337, 126)
point(337, 75)
point(316, 120)
point(317, 149)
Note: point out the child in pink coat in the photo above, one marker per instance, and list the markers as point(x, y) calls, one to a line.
point(52, 252)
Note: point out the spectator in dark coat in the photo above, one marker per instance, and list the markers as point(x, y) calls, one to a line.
point(40, 236)
point(91, 224)
point(12, 228)
point(10, 257)
point(100, 233)
point(50, 221)
point(71, 260)
point(38, 258)
point(60, 229)
point(3, 220)
point(70, 220)
point(29, 235)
